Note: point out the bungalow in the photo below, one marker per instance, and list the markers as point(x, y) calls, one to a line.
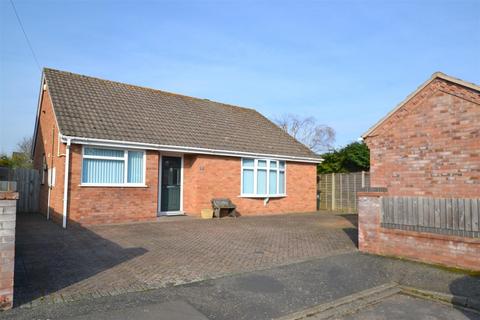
point(111, 152)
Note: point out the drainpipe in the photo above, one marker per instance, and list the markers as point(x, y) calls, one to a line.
point(65, 183)
point(49, 183)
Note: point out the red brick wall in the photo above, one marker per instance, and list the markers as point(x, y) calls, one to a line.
point(431, 146)
point(47, 144)
point(88, 205)
point(207, 177)
point(98, 205)
point(446, 250)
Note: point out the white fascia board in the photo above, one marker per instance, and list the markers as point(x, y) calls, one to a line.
point(37, 118)
point(180, 149)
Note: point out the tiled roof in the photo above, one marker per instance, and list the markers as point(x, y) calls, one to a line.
point(89, 107)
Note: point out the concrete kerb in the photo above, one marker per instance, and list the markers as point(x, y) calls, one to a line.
point(360, 300)
point(348, 304)
point(451, 299)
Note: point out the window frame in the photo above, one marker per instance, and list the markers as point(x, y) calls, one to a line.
point(125, 167)
point(267, 169)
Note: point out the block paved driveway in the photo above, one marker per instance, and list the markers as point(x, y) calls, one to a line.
point(55, 265)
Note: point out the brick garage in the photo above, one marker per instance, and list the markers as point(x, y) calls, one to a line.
point(112, 136)
point(429, 147)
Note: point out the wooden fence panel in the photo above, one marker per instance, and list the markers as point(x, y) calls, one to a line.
point(338, 191)
point(475, 206)
point(28, 187)
point(453, 216)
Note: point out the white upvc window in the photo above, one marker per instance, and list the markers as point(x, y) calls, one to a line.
point(263, 178)
point(112, 167)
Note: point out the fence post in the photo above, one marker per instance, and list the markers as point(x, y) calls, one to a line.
point(333, 191)
point(363, 179)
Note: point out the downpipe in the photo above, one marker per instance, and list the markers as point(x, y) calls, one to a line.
point(65, 183)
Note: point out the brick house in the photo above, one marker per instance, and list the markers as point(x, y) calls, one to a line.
point(426, 155)
point(430, 143)
point(133, 153)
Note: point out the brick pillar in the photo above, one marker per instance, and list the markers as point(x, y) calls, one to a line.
point(8, 208)
point(369, 221)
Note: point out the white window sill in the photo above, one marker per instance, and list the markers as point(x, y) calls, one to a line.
point(113, 185)
point(262, 196)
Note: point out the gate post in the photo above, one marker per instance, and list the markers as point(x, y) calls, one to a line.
point(333, 191)
point(8, 207)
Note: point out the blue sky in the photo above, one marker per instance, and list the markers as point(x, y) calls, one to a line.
point(345, 62)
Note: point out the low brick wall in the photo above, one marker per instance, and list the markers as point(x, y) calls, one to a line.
point(8, 207)
point(451, 251)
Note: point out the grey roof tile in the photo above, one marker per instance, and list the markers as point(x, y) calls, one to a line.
point(95, 108)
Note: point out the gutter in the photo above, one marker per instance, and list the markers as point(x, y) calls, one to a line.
point(159, 147)
point(65, 183)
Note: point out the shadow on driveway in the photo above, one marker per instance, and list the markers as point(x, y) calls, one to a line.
point(467, 286)
point(352, 233)
point(49, 258)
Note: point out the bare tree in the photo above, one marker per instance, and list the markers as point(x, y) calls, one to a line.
point(22, 157)
point(317, 137)
point(25, 146)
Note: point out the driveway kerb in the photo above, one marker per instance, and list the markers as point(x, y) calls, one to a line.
point(347, 304)
point(363, 299)
point(451, 299)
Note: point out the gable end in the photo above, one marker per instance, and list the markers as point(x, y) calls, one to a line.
point(438, 81)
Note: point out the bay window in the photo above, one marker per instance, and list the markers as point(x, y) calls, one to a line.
point(263, 178)
point(102, 166)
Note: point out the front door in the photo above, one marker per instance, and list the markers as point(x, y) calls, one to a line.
point(171, 184)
